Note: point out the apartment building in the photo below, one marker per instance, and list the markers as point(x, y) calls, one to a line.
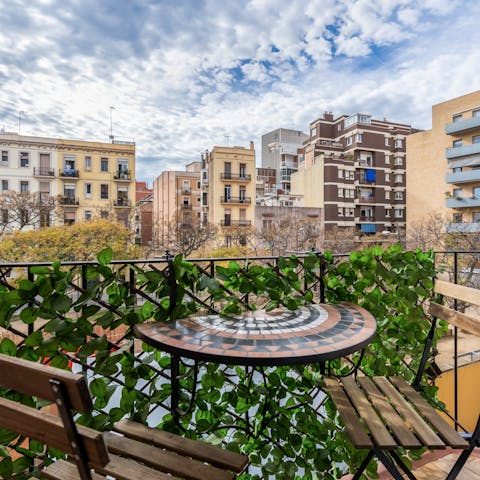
point(176, 195)
point(143, 214)
point(87, 178)
point(228, 180)
point(354, 168)
point(282, 151)
point(444, 166)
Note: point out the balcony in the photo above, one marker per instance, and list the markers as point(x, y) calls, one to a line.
point(122, 176)
point(186, 191)
point(462, 202)
point(69, 200)
point(122, 202)
point(43, 172)
point(365, 199)
point(235, 223)
point(463, 227)
point(463, 151)
point(186, 206)
point(71, 174)
point(462, 126)
point(464, 177)
point(238, 200)
point(237, 177)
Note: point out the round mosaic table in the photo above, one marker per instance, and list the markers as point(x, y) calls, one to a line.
point(310, 334)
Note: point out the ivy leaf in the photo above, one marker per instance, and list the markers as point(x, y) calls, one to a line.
point(105, 256)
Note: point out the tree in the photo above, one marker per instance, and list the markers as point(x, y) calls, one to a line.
point(431, 232)
point(81, 241)
point(185, 234)
point(289, 233)
point(25, 209)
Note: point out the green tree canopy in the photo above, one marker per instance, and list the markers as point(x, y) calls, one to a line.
point(80, 241)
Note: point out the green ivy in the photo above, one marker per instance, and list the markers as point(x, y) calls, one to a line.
point(278, 416)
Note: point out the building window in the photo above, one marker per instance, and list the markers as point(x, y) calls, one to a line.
point(340, 212)
point(476, 139)
point(387, 213)
point(243, 170)
point(476, 217)
point(476, 192)
point(24, 160)
point(457, 218)
point(398, 161)
point(24, 186)
point(313, 132)
point(349, 193)
point(349, 212)
point(387, 194)
point(340, 192)
point(4, 185)
point(104, 164)
point(186, 186)
point(476, 113)
point(44, 218)
point(398, 143)
point(398, 213)
point(349, 140)
point(242, 193)
point(457, 143)
point(186, 200)
point(198, 184)
point(88, 163)
point(4, 158)
point(88, 190)
point(398, 195)
point(104, 214)
point(358, 138)
point(340, 173)
point(88, 214)
point(387, 159)
point(457, 117)
point(104, 191)
point(387, 177)
point(387, 142)
point(398, 178)
point(457, 169)
point(69, 217)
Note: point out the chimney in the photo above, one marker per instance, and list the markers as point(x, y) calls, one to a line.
point(328, 116)
point(251, 145)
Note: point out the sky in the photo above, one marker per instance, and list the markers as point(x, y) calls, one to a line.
point(185, 75)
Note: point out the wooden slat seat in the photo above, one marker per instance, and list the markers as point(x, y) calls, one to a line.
point(384, 414)
point(132, 452)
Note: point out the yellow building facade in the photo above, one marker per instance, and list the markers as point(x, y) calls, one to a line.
point(88, 179)
point(228, 188)
point(443, 172)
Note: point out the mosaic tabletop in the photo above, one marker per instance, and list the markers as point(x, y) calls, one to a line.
point(312, 333)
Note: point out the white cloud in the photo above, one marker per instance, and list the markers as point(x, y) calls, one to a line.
point(183, 74)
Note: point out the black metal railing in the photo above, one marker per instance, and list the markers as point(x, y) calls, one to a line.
point(235, 223)
point(43, 172)
point(67, 172)
point(243, 200)
point(241, 177)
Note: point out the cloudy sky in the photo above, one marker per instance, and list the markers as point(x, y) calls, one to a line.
point(185, 75)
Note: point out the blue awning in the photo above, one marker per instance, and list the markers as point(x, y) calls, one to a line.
point(368, 227)
point(370, 175)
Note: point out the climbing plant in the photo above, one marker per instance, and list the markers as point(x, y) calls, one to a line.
point(81, 316)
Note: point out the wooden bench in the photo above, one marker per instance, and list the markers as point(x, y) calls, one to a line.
point(132, 452)
point(383, 414)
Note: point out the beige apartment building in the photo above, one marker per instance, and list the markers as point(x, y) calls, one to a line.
point(228, 180)
point(86, 179)
point(443, 174)
point(176, 195)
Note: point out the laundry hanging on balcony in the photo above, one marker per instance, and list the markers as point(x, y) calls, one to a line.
point(370, 175)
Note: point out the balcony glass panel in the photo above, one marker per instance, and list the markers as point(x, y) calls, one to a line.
point(462, 125)
point(463, 177)
point(462, 202)
point(463, 150)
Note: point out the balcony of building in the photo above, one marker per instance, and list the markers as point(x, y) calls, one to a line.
point(69, 200)
point(463, 151)
point(236, 200)
point(464, 176)
point(122, 176)
point(235, 223)
point(462, 125)
point(462, 202)
point(69, 173)
point(122, 202)
point(186, 206)
point(463, 227)
point(235, 177)
point(43, 172)
point(129, 379)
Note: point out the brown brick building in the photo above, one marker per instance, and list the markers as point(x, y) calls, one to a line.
point(354, 169)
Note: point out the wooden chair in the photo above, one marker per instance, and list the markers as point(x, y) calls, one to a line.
point(383, 414)
point(133, 452)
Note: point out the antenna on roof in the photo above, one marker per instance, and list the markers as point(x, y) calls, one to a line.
point(111, 125)
point(228, 139)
